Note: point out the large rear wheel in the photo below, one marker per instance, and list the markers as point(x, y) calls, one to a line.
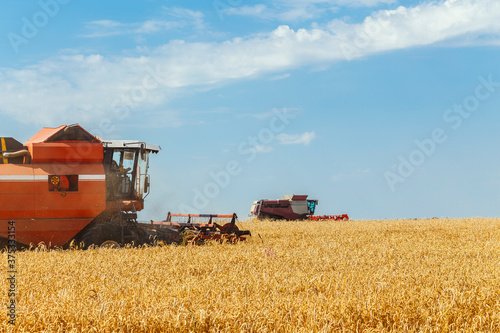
point(109, 244)
point(102, 233)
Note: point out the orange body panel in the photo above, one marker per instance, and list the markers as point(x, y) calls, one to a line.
point(17, 206)
point(66, 152)
point(51, 232)
point(44, 134)
point(49, 216)
point(88, 201)
point(17, 192)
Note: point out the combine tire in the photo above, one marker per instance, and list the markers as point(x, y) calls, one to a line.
point(102, 234)
point(109, 244)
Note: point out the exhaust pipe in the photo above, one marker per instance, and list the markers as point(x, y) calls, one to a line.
point(15, 154)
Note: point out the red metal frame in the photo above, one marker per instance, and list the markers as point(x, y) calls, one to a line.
point(206, 231)
point(343, 217)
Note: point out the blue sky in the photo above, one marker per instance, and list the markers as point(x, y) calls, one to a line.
point(378, 108)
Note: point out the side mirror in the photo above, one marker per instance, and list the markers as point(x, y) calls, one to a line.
point(146, 184)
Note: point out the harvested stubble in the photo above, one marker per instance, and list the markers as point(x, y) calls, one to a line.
point(400, 275)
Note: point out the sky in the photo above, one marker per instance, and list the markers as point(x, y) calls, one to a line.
point(377, 108)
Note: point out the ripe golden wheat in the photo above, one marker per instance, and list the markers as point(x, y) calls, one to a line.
point(398, 275)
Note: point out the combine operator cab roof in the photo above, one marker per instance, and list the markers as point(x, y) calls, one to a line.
point(131, 144)
point(64, 133)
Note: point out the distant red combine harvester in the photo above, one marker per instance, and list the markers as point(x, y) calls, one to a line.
point(291, 207)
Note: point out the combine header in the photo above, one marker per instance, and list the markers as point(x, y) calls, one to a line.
point(343, 217)
point(197, 229)
point(291, 207)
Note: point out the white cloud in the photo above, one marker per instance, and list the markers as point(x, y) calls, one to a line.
point(257, 10)
point(297, 139)
point(285, 12)
point(91, 87)
point(269, 114)
point(293, 10)
point(262, 149)
point(178, 18)
point(280, 77)
point(107, 28)
point(186, 15)
point(104, 28)
point(363, 3)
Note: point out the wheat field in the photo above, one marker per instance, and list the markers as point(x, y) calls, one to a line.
point(435, 275)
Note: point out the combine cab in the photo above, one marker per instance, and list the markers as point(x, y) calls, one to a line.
point(290, 207)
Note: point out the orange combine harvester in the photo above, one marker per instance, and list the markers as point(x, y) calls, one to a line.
point(65, 184)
